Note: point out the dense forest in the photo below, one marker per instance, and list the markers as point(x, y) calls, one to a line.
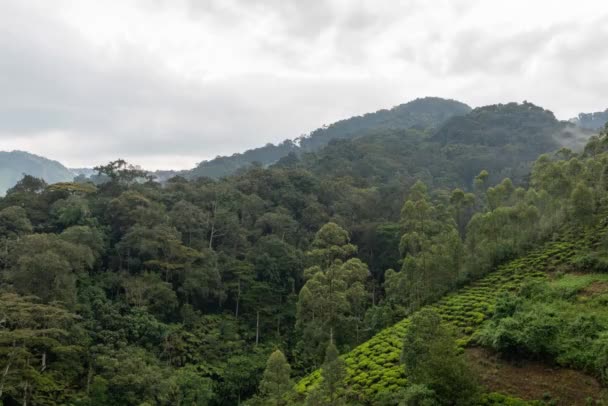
point(365, 266)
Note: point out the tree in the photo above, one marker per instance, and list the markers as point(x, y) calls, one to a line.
point(330, 243)
point(28, 184)
point(332, 375)
point(133, 376)
point(120, 171)
point(190, 221)
point(240, 377)
point(275, 381)
point(462, 205)
point(14, 222)
point(46, 266)
point(582, 203)
point(158, 248)
point(480, 181)
point(39, 359)
point(431, 250)
point(431, 358)
point(29, 193)
point(333, 300)
point(73, 210)
point(91, 237)
point(331, 304)
point(130, 208)
point(189, 388)
point(150, 292)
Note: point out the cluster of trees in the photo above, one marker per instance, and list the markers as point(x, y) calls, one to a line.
point(128, 291)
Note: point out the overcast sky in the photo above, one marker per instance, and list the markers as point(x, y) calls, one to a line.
point(168, 83)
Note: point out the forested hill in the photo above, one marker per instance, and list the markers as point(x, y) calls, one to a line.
point(425, 113)
point(13, 165)
point(503, 139)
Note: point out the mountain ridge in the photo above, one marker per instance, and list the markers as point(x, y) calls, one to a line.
point(418, 113)
point(13, 164)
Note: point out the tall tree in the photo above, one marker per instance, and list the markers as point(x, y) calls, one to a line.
point(332, 375)
point(332, 302)
point(431, 358)
point(276, 383)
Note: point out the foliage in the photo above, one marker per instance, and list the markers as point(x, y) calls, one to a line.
point(431, 358)
point(276, 383)
point(133, 292)
point(553, 320)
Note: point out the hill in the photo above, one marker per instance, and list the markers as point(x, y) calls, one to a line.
point(375, 367)
point(16, 163)
point(502, 139)
point(422, 113)
point(545, 308)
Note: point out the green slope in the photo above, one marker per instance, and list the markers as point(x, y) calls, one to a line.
point(374, 366)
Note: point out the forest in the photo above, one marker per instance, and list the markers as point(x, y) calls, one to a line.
point(366, 264)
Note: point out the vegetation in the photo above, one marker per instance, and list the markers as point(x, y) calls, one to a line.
point(125, 291)
point(564, 320)
point(432, 360)
point(374, 367)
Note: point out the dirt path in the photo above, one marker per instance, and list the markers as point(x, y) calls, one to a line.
point(535, 380)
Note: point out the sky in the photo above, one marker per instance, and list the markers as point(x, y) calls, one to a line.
point(166, 84)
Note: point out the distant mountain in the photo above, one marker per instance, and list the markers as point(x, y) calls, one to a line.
point(591, 121)
point(13, 165)
point(422, 114)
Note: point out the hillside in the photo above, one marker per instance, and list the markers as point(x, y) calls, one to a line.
point(16, 163)
point(502, 139)
point(423, 113)
point(216, 291)
point(511, 312)
point(374, 366)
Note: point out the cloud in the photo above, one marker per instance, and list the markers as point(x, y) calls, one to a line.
point(166, 84)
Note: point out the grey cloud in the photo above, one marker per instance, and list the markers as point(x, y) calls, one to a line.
point(101, 104)
point(51, 82)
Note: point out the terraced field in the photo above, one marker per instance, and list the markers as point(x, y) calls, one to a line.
point(374, 366)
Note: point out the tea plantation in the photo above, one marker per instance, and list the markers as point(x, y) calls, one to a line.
point(374, 366)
